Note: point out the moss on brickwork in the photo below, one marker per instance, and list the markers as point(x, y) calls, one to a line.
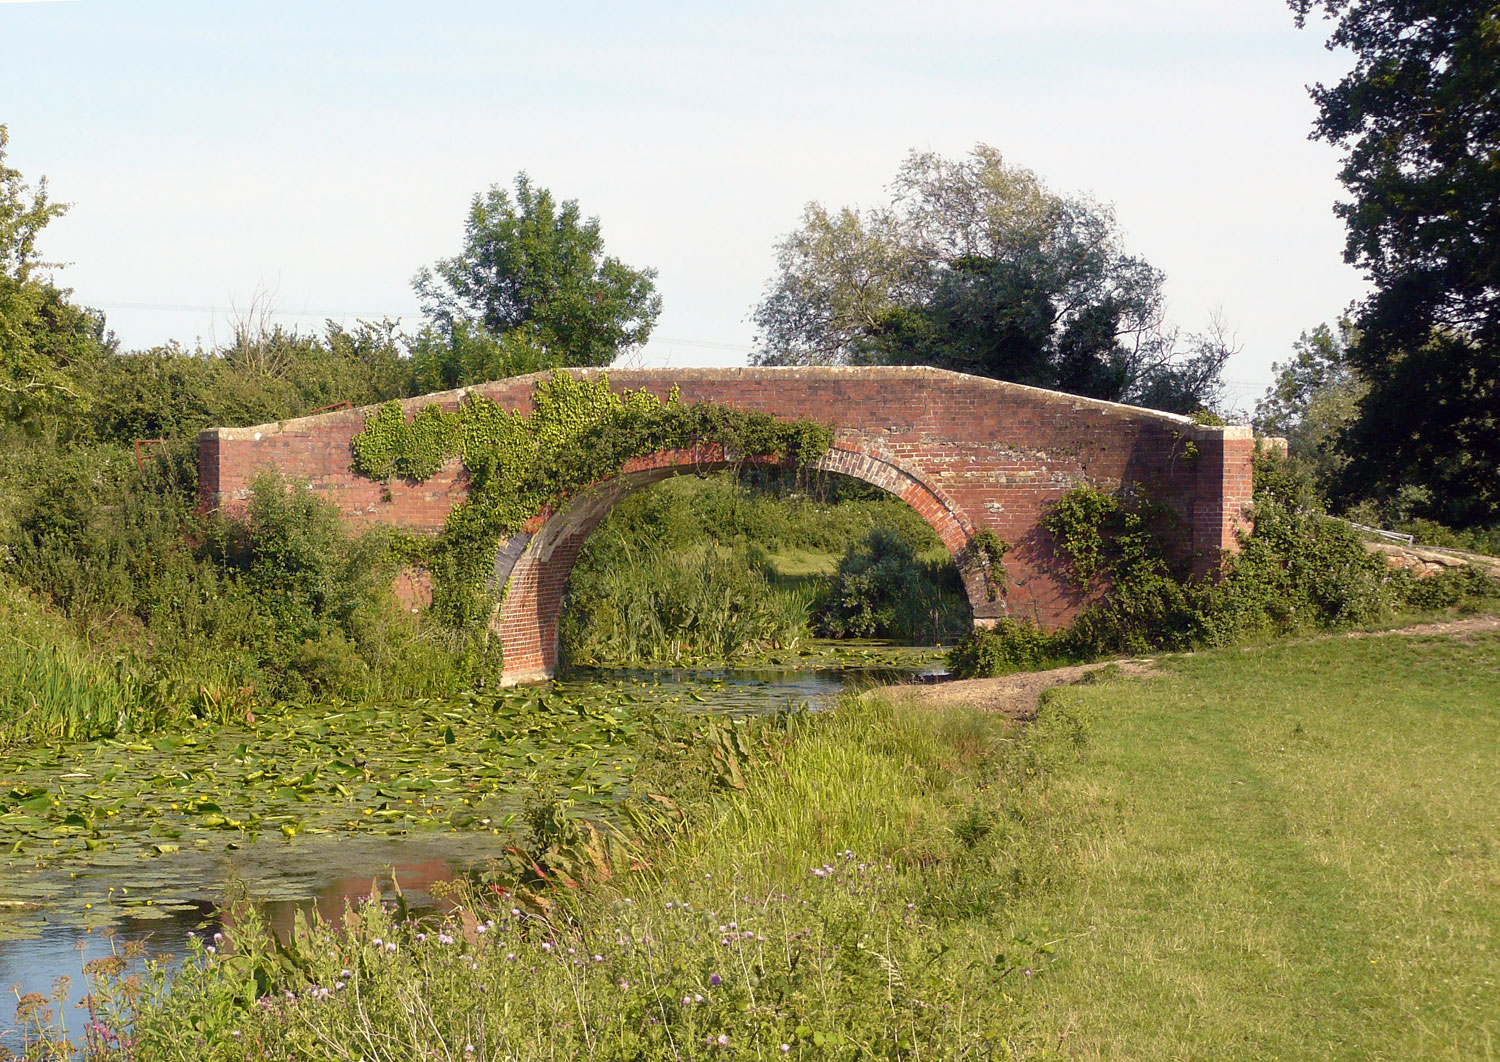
point(579, 432)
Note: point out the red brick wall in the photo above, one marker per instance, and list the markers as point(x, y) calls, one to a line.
point(967, 453)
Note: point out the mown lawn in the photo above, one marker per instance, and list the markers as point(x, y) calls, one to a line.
point(1285, 852)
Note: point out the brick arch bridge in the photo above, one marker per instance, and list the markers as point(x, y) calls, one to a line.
point(967, 453)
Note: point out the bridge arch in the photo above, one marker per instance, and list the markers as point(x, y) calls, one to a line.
point(533, 568)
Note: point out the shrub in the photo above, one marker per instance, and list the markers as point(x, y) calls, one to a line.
point(281, 599)
point(1299, 570)
point(882, 589)
point(1010, 645)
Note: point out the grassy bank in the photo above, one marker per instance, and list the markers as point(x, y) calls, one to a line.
point(1279, 853)
point(1294, 856)
point(785, 912)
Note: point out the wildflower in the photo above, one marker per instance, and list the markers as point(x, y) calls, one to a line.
point(669, 905)
point(444, 938)
point(687, 1001)
point(218, 938)
point(377, 942)
point(345, 974)
point(510, 957)
point(390, 946)
point(515, 912)
point(421, 938)
point(468, 1049)
point(697, 998)
point(624, 984)
point(723, 1040)
point(715, 980)
point(235, 1033)
point(785, 1048)
point(210, 949)
point(480, 929)
point(598, 958)
point(338, 986)
point(547, 945)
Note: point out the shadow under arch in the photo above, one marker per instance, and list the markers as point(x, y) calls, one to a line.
point(533, 567)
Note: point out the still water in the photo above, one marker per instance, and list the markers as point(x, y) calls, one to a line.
point(112, 843)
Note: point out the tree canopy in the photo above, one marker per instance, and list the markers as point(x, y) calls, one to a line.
point(531, 289)
point(1419, 118)
point(1313, 400)
point(41, 332)
point(976, 266)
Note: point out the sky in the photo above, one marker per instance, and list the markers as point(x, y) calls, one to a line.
point(309, 157)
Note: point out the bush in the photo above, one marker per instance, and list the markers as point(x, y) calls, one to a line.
point(281, 598)
point(1299, 570)
point(1010, 645)
point(882, 589)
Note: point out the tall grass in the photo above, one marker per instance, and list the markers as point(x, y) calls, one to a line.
point(50, 693)
point(816, 913)
point(653, 604)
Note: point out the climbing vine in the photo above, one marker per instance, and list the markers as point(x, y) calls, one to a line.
point(986, 553)
point(579, 432)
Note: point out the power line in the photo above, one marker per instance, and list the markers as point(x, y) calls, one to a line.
point(190, 308)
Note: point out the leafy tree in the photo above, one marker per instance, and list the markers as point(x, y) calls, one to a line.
point(1314, 400)
point(41, 333)
point(531, 289)
point(977, 267)
point(1419, 116)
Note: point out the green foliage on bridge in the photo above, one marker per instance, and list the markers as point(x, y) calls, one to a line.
point(579, 432)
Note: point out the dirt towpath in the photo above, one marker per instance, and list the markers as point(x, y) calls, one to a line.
point(1020, 694)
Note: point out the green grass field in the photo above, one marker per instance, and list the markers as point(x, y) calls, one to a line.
point(1287, 852)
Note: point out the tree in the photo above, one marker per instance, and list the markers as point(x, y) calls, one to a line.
point(42, 334)
point(1314, 400)
point(530, 290)
point(977, 267)
point(1419, 117)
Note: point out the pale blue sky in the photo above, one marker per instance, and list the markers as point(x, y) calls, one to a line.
point(322, 152)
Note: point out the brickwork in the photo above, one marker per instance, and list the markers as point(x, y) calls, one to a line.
point(967, 453)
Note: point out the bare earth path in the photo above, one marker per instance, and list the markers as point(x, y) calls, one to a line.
point(1019, 695)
